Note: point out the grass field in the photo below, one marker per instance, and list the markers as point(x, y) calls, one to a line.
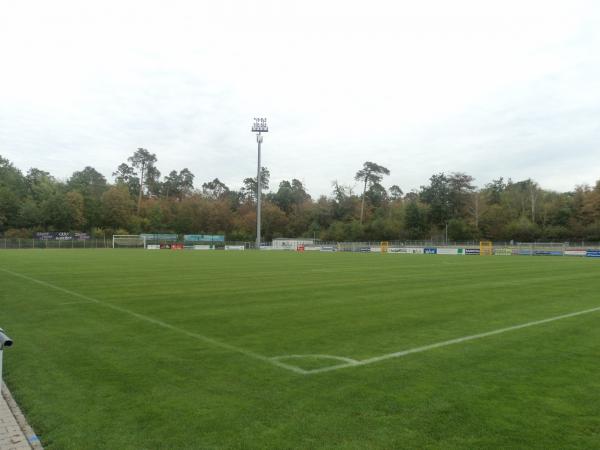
point(132, 349)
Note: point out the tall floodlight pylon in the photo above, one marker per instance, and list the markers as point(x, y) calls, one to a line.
point(259, 127)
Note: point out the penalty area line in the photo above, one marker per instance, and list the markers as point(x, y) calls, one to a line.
point(459, 340)
point(160, 323)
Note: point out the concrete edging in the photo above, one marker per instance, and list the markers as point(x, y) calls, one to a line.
point(30, 435)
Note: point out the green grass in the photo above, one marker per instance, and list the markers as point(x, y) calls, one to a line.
point(89, 376)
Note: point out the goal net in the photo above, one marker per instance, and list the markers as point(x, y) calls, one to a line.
point(129, 241)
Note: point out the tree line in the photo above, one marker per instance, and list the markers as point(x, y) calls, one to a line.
point(140, 200)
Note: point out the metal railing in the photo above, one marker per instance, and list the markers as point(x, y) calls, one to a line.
point(23, 243)
point(5, 341)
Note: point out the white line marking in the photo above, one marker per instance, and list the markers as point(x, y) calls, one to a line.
point(82, 302)
point(275, 361)
point(424, 348)
point(340, 358)
point(162, 324)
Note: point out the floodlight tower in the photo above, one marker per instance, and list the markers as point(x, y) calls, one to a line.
point(260, 126)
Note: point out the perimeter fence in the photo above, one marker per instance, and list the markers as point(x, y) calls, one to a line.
point(356, 246)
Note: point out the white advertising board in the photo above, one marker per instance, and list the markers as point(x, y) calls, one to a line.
point(234, 247)
point(447, 251)
point(411, 250)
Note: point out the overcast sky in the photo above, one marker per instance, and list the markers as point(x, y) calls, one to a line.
point(504, 88)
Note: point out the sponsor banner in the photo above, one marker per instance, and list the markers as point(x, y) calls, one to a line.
point(328, 248)
point(448, 251)
point(430, 250)
point(203, 238)
point(234, 247)
point(313, 249)
point(375, 250)
point(592, 253)
point(159, 237)
point(61, 236)
point(503, 252)
point(411, 250)
point(472, 251)
point(46, 236)
point(203, 247)
point(364, 249)
point(152, 247)
point(575, 252)
point(522, 252)
point(547, 253)
point(176, 246)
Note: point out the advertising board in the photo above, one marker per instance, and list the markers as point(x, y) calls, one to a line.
point(430, 250)
point(592, 253)
point(547, 253)
point(472, 251)
point(406, 250)
point(204, 238)
point(448, 251)
point(61, 236)
point(159, 237)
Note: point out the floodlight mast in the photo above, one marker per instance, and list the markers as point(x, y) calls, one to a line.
point(260, 126)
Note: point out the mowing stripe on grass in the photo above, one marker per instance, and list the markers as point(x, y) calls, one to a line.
point(424, 348)
point(160, 323)
point(276, 361)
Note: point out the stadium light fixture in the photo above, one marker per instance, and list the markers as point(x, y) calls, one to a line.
point(259, 126)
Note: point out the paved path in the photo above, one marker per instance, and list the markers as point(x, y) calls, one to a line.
point(13, 425)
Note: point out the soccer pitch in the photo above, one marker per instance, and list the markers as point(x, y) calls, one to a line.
point(133, 349)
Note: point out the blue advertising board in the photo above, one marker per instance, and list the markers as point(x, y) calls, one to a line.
point(204, 238)
point(548, 253)
point(430, 250)
point(592, 253)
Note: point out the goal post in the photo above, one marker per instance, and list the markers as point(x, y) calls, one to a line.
point(128, 241)
point(486, 248)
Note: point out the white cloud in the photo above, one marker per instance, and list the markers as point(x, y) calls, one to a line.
point(494, 89)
